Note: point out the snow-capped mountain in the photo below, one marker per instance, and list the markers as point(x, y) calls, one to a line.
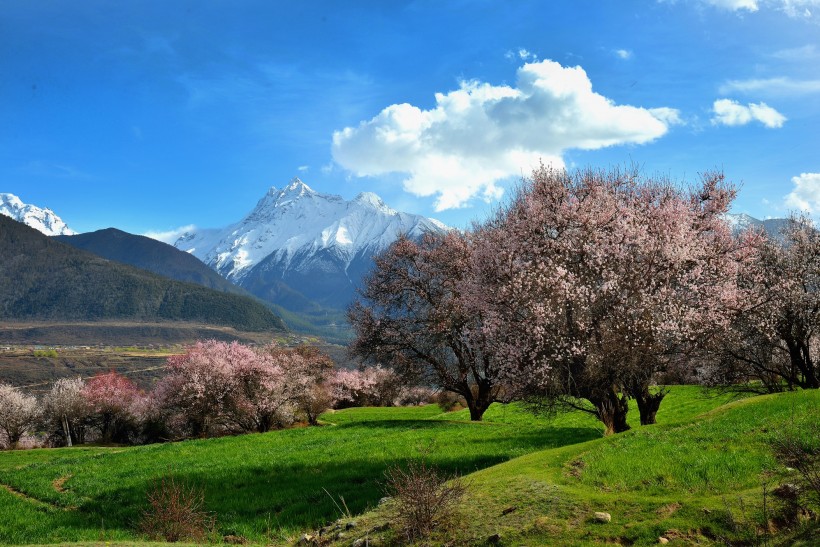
point(41, 219)
point(319, 245)
point(772, 226)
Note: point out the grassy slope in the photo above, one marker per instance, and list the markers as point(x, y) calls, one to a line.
point(267, 487)
point(686, 480)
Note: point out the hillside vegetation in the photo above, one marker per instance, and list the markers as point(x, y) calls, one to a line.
point(47, 280)
point(152, 255)
point(531, 480)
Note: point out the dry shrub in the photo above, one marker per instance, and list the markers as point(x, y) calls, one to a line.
point(803, 454)
point(448, 401)
point(424, 499)
point(176, 513)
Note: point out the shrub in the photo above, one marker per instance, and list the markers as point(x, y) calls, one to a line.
point(424, 499)
point(369, 386)
point(448, 401)
point(176, 512)
point(412, 396)
point(802, 453)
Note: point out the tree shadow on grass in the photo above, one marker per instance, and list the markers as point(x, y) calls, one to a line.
point(253, 499)
point(287, 481)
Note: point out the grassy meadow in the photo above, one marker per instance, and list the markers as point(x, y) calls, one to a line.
point(696, 476)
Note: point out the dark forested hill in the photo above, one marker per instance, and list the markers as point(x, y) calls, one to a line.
point(44, 279)
point(149, 254)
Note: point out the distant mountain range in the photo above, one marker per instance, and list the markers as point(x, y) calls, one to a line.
point(44, 279)
point(41, 219)
point(301, 249)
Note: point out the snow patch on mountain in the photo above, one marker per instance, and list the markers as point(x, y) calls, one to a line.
point(41, 219)
point(297, 223)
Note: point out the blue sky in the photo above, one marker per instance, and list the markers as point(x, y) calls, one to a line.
point(151, 115)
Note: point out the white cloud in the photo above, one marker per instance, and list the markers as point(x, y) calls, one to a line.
point(772, 86)
point(806, 193)
point(799, 54)
point(624, 54)
point(522, 54)
point(729, 112)
point(525, 55)
point(735, 5)
point(303, 168)
point(171, 235)
point(481, 133)
point(792, 8)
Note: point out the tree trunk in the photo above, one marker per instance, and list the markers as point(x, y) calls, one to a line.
point(67, 431)
point(648, 404)
point(801, 361)
point(478, 400)
point(612, 411)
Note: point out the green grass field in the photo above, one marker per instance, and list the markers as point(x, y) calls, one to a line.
point(533, 480)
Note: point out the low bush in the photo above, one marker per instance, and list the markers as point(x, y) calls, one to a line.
point(176, 512)
point(424, 499)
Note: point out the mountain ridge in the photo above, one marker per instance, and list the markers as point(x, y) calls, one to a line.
point(44, 279)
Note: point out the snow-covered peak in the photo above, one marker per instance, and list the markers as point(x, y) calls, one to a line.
point(297, 221)
point(372, 200)
point(772, 226)
point(41, 219)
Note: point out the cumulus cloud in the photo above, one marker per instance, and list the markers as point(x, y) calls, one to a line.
point(481, 133)
point(805, 196)
point(729, 112)
point(623, 54)
point(171, 235)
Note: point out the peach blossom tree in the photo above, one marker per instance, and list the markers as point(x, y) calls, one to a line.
point(589, 282)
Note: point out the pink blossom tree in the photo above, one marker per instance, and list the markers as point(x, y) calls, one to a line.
point(201, 383)
point(306, 375)
point(110, 398)
point(589, 281)
point(18, 414)
point(367, 386)
point(413, 318)
point(218, 387)
point(774, 339)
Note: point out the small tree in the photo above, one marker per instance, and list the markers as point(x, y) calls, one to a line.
point(306, 372)
point(110, 398)
point(66, 405)
point(774, 338)
point(201, 383)
point(18, 414)
point(413, 317)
